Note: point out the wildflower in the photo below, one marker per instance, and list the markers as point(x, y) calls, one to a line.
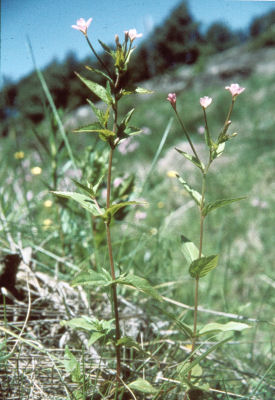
point(19, 155)
point(205, 101)
point(117, 182)
point(132, 34)
point(126, 147)
point(201, 130)
point(172, 98)
point(172, 174)
point(82, 25)
point(36, 170)
point(48, 203)
point(235, 89)
point(153, 231)
point(139, 215)
point(47, 223)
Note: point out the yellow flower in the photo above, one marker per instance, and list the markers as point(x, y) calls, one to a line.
point(153, 231)
point(36, 170)
point(160, 204)
point(47, 223)
point(19, 155)
point(172, 174)
point(48, 203)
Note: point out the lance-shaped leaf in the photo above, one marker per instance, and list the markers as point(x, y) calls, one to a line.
point(83, 200)
point(105, 47)
point(123, 124)
point(214, 327)
point(92, 279)
point(202, 266)
point(140, 284)
point(181, 325)
point(99, 72)
point(87, 189)
point(193, 193)
point(97, 89)
point(98, 113)
point(111, 211)
point(140, 90)
point(189, 249)
point(143, 386)
point(104, 134)
point(129, 342)
point(186, 366)
point(191, 158)
point(219, 203)
point(217, 150)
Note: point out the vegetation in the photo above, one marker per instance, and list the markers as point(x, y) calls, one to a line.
point(69, 318)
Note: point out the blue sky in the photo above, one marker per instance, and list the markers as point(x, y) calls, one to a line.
point(48, 24)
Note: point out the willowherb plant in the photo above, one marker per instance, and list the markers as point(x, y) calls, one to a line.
point(201, 265)
point(114, 130)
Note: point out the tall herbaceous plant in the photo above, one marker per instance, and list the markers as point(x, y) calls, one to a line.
point(113, 128)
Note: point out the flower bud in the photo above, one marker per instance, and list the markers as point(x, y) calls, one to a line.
point(205, 101)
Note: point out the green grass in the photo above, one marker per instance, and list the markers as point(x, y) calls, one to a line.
point(244, 280)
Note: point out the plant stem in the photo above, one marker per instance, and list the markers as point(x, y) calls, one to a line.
point(186, 134)
point(109, 242)
point(196, 299)
point(111, 259)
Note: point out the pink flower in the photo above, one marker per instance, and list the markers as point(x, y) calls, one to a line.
point(139, 215)
point(132, 34)
point(172, 98)
point(235, 89)
point(205, 101)
point(82, 25)
point(117, 182)
point(126, 146)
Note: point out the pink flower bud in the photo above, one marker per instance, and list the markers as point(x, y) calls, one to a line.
point(235, 89)
point(132, 34)
point(172, 98)
point(82, 25)
point(205, 101)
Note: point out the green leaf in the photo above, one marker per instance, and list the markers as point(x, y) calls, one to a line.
point(83, 200)
point(98, 113)
point(87, 189)
point(202, 266)
point(191, 158)
point(140, 90)
point(105, 47)
point(181, 325)
point(219, 203)
point(216, 327)
point(143, 386)
point(139, 283)
point(217, 152)
point(72, 366)
point(189, 249)
point(95, 336)
point(99, 72)
point(111, 211)
point(92, 278)
point(94, 127)
point(193, 193)
point(97, 89)
point(104, 134)
point(184, 368)
point(132, 130)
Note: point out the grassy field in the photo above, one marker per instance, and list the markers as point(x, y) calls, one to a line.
point(64, 240)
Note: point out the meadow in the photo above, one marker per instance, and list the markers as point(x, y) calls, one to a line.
point(43, 357)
